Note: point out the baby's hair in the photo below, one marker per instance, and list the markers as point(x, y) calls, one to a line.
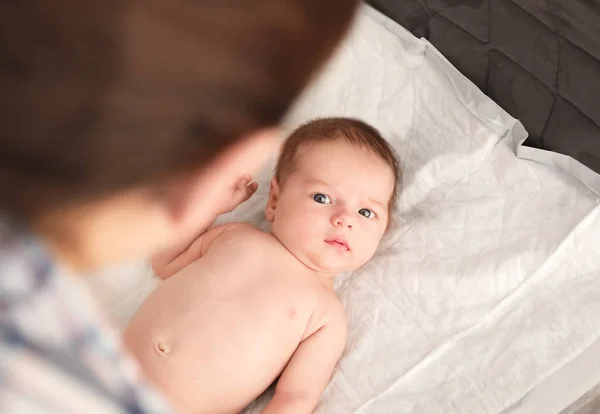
point(351, 130)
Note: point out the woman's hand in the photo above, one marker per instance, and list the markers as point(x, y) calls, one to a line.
point(241, 191)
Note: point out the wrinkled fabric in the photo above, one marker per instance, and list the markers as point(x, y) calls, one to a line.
point(486, 283)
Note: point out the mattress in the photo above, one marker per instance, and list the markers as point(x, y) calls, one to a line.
point(484, 296)
point(539, 59)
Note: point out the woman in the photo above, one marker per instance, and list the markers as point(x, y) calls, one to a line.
point(124, 126)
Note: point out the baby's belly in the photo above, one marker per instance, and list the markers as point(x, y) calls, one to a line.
point(215, 355)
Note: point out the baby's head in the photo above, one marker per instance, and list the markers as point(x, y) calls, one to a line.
point(333, 192)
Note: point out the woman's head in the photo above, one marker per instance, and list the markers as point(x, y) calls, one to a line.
point(103, 97)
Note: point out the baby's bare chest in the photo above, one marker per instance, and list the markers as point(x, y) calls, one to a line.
point(236, 319)
point(237, 302)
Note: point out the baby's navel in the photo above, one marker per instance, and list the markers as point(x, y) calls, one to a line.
point(163, 348)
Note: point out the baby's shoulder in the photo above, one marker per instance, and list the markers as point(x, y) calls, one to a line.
point(329, 310)
point(242, 232)
point(238, 228)
point(333, 309)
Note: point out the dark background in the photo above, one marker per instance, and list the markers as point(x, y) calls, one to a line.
point(538, 59)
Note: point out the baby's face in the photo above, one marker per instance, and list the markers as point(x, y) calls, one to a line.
point(332, 210)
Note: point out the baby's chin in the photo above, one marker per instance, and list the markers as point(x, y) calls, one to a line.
point(332, 266)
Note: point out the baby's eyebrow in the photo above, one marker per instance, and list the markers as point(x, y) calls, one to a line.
point(376, 202)
point(316, 181)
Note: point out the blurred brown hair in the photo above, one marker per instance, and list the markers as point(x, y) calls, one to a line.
point(100, 96)
point(351, 130)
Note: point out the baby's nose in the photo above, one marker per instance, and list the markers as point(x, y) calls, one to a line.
point(342, 220)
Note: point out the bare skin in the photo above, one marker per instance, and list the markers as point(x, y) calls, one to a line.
point(239, 307)
point(264, 293)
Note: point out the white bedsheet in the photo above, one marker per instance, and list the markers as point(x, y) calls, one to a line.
point(490, 280)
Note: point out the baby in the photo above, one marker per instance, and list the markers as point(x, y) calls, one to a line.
point(240, 307)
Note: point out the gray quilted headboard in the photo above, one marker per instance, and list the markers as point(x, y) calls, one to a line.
point(538, 59)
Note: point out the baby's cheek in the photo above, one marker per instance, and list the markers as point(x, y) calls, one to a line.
point(301, 233)
point(371, 243)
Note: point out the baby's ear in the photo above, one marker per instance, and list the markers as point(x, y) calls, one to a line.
point(272, 201)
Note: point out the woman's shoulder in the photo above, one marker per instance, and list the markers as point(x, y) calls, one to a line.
point(48, 321)
point(26, 267)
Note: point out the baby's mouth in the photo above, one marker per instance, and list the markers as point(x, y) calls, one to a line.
point(339, 244)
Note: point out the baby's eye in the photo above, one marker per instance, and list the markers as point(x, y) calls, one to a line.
point(321, 198)
point(365, 212)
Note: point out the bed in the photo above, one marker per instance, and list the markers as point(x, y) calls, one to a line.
point(538, 59)
point(484, 296)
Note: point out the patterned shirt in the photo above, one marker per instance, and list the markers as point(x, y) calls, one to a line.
point(57, 352)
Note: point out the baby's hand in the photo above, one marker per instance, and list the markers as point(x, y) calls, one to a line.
point(236, 195)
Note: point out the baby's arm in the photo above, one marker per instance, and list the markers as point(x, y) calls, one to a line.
point(309, 370)
point(171, 261)
point(168, 262)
